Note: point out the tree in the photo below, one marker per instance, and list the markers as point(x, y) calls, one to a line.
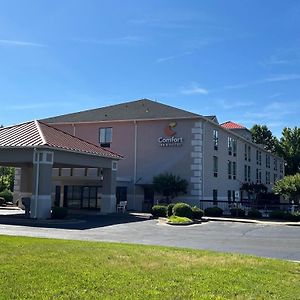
point(289, 187)
point(7, 175)
point(169, 185)
point(261, 134)
point(289, 149)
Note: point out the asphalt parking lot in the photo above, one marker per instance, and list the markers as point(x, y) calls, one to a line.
point(274, 241)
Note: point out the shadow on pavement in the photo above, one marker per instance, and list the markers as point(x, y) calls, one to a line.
point(73, 221)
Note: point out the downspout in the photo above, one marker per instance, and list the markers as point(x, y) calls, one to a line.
point(135, 161)
point(37, 180)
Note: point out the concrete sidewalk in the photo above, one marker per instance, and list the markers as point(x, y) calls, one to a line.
point(262, 222)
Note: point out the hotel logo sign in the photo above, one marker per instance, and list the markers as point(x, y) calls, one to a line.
point(170, 139)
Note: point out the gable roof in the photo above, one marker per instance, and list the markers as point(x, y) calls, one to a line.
point(135, 110)
point(38, 134)
point(232, 125)
point(213, 118)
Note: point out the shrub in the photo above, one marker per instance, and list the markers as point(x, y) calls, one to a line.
point(7, 195)
point(277, 214)
point(2, 201)
point(294, 217)
point(59, 212)
point(170, 209)
point(254, 213)
point(213, 211)
point(197, 213)
point(237, 212)
point(182, 210)
point(179, 220)
point(159, 211)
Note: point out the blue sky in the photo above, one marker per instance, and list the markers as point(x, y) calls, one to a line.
point(237, 59)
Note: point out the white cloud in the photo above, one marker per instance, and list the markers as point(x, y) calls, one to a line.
point(194, 89)
point(273, 78)
point(15, 43)
point(172, 57)
point(226, 104)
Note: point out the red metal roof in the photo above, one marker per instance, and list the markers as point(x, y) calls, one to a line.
point(36, 133)
point(232, 125)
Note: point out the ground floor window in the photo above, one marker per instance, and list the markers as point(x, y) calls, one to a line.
point(215, 197)
point(121, 194)
point(77, 197)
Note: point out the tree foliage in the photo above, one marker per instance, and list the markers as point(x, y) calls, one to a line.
point(289, 149)
point(261, 134)
point(6, 178)
point(169, 185)
point(289, 187)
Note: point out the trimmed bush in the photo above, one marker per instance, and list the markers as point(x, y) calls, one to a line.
point(179, 220)
point(170, 209)
point(2, 201)
point(7, 195)
point(159, 211)
point(59, 212)
point(277, 214)
point(182, 210)
point(294, 217)
point(254, 213)
point(213, 212)
point(197, 213)
point(237, 212)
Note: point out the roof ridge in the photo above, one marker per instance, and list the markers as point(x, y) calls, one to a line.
point(73, 136)
point(40, 132)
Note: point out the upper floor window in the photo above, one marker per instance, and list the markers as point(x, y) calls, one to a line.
point(105, 136)
point(246, 152)
point(275, 164)
point(281, 167)
point(249, 153)
point(258, 157)
point(268, 179)
point(216, 139)
point(234, 170)
point(268, 161)
point(215, 158)
point(232, 145)
point(229, 169)
point(247, 173)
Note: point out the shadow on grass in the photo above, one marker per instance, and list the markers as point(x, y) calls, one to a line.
point(78, 221)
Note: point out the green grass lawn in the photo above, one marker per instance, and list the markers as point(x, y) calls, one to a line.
point(32, 268)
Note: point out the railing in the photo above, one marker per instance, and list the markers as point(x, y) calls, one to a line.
point(247, 205)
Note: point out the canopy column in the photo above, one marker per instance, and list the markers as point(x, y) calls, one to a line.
point(108, 200)
point(41, 202)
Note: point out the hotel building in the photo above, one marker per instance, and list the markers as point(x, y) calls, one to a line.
point(215, 159)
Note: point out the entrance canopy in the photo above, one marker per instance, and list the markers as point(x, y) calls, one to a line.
point(36, 148)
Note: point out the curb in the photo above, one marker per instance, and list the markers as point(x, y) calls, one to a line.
point(251, 221)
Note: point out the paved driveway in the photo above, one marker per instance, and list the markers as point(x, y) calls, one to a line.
point(275, 241)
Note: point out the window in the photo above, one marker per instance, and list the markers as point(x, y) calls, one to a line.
point(215, 197)
point(234, 170)
point(216, 139)
point(268, 177)
point(229, 196)
point(249, 153)
point(229, 146)
point(233, 195)
point(249, 173)
point(234, 146)
point(281, 167)
point(229, 169)
point(275, 178)
point(245, 173)
point(258, 176)
point(215, 158)
point(258, 157)
point(275, 164)
point(246, 152)
point(105, 137)
point(268, 161)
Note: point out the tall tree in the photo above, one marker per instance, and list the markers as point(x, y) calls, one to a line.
point(261, 134)
point(289, 149)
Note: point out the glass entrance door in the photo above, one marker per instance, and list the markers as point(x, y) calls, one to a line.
point(90, 197)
